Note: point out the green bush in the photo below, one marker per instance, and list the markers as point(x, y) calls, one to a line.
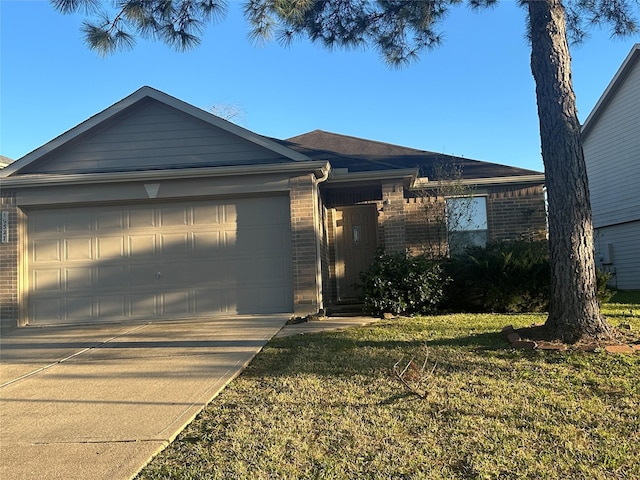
point(505, 277)
point(402, 284)
point(604, 292)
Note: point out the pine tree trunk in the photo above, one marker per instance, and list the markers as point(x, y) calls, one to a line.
point(574, 311)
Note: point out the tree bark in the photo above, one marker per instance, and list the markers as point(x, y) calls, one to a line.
point(574, 310)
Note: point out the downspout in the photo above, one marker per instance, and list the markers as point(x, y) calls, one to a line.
point(316, 220)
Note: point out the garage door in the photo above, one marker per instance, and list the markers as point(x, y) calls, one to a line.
point(159, 261)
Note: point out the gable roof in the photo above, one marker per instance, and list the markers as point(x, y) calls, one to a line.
point(359, 155)
point(141, 97)
point(619, 78)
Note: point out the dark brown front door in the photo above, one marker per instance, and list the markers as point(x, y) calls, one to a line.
point(356, 244)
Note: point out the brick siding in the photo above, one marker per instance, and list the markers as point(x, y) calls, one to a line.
point(304, 231)
point(516, 213)
point(9, 261)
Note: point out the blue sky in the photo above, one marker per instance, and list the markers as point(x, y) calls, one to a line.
point(472, 97)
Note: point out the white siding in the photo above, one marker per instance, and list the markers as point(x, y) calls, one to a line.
point(612, 153)
point(618, 251)
point(153, 136)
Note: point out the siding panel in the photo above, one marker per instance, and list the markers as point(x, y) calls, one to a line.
point(612, 153)
point(155, 136)
point(618, 252)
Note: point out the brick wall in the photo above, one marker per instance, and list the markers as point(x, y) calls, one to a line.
point(392, 217)
point(416, 223)
point(304, 244)
point(9, 261)
point(513, 213)
point(516, 213)
point(426, 231)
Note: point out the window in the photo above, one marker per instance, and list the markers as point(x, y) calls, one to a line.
point(466, 223)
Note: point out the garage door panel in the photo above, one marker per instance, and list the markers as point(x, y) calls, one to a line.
point(266, 300)
point(46, 307)
point(178, 274)
point(270, 268)
point(204, 242)
point(174, 216)
point(78, 308)
point(159, 260)
point(110, 219)
point(46, 250)
point(46, 223)
point(80, 222)
point(47, 280)
point(173, 244)
point(141, 218)
point(272, 299)
point(110, 277)
point(175, 303)
point(229, 212)
point(270, 239)
point(108, 248)
point(111, 306)
point(143, 305)
point(206, 215)
point(211, 300)
point(144, 275)
point(141, 246)
point(78, 248)
point(78, 278)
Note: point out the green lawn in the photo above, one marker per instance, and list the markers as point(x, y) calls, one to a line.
point(327, 406)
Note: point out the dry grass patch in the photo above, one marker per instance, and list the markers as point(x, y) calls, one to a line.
point(328, 406)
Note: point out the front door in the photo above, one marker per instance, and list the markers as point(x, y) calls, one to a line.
point(356, 244)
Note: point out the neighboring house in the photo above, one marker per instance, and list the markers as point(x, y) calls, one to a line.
point(611, 143)
point(4, 161)
point(155, 209)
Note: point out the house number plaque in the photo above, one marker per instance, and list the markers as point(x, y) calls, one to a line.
point(5, 227)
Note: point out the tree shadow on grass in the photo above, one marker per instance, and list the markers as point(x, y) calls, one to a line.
point(335, 354)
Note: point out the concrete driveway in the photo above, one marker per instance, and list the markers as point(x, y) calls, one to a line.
point(99, 401)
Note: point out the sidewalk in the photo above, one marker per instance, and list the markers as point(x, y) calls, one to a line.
point(325, 324)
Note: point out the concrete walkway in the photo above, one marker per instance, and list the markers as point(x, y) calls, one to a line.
point(98, 402)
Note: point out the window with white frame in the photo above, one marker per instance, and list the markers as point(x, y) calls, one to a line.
point(466, 223)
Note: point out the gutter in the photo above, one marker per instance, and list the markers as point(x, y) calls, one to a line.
point(409, 174)
point(536, 178)
point(321, 169)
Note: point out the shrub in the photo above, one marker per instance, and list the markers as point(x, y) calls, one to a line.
point(503, 277)
point(402, 284)
point(506, 277)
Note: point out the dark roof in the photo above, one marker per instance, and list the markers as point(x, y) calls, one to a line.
point(360, 155)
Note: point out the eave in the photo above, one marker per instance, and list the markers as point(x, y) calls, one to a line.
point(341, 179)
point(615, 84)
point(471, 182)
point(318, 168)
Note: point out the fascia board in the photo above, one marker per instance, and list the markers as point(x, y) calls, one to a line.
point(536, 179)
point(318, 168)
point(410, 175)
point(612, 88)
point(135, 97)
